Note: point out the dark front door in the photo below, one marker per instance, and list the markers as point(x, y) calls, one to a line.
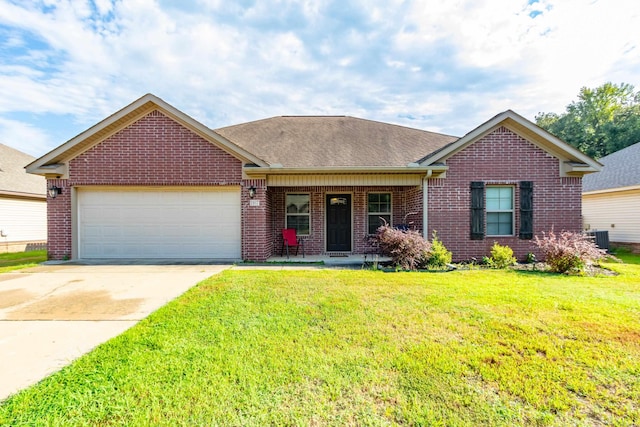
point(339, 222)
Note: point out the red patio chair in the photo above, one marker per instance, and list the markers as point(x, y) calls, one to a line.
point(291, 240)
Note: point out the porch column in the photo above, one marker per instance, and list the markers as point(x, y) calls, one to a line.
point(425, 207)
point(257, 244)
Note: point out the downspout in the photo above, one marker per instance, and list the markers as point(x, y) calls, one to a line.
point(425, 204)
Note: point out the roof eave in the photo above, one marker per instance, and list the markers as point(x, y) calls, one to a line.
point(21, 195)
point(518, 124)
point(433, 170)
point(612, 190)
point(55, 170)
point(578, 169)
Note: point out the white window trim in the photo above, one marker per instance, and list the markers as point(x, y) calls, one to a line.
point(286, 214)
point(390, 213)
point(512, 210)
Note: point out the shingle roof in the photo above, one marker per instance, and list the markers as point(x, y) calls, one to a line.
point(13, 177)
point(333, 141)
point(621, 169)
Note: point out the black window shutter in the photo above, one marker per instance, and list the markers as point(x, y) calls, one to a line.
point(477, 210)
point(526, 209)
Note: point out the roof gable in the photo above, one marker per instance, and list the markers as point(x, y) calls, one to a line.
point(620, 170)
point(13, 178)
point(333, 142)
point(573, 161)
point(55, 161)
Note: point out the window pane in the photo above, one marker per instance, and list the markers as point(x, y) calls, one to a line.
point(375, 222)
point(297, 203)
point(499, 223)
point(499, 198)
point(299, 222)
point(493, 192)
point(379, 203)
point(297, 207)
point(493, 198)
point(492, 228)
point(506, 198)
point(493, 204)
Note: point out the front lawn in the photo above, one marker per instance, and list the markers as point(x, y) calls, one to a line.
point(19, 260)
point(627, 256)
point(329, 347)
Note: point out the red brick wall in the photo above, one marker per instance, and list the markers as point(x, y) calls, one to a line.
point(59, 222)
point(501, 157)
point(154, 150)
point(404, 200)
point(257, 241)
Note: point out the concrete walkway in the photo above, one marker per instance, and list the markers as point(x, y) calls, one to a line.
point(52, 314)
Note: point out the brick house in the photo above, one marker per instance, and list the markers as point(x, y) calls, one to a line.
point(151, 182)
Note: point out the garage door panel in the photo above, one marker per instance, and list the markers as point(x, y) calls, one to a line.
point(159, 224)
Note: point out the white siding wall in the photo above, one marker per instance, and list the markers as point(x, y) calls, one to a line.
point(23, 220)
point(343, 180)
point(616, 212)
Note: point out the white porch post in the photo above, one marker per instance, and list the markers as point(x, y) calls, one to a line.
point(425, 206)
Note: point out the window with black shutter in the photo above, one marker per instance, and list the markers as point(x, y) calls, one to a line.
point(477, 210)
point(526, 210)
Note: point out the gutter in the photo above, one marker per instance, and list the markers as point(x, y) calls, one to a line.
point(19, 195)
point(612, 190)
point(411, 168)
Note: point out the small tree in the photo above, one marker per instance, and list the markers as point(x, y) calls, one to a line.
point(569, 251)
point(407, 249)
point(439, 256)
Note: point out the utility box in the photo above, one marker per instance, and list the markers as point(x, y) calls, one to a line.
point(601, 238)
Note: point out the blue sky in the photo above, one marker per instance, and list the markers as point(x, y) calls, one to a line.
point(441, 66)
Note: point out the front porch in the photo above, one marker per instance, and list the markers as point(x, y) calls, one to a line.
point(351, 261)
point(336, 223)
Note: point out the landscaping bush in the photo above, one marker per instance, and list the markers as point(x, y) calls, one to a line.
point(569, 252)
point(407, 249)
point(439, 256)
point(501, 256)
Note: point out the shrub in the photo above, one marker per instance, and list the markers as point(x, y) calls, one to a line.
point(407, 249)
point(439, 256)
point(501, 256)
point(531, 258)
point(569, 252)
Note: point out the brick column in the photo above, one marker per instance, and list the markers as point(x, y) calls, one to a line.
point(59, 221)
point(257, 242)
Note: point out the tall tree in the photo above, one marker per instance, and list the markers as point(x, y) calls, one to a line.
point(601, 121)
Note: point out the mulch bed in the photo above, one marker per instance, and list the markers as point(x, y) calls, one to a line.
point(537, 266)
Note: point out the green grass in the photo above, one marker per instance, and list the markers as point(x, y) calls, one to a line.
point(337, 347)
point(19, 260)
point(626, 256)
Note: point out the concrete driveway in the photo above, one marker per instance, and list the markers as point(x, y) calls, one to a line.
point(51, 315)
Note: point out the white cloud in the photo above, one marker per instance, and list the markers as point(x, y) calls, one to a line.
point(103, 6)
point(24, 137)
point(426, 63)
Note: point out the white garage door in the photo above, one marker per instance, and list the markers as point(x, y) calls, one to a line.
point(159, 223)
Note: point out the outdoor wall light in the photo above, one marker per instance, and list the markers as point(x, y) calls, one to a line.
point(54, 191)
point(252, 192)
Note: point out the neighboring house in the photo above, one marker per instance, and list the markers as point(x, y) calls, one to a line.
point(151, 182)
point(611, 198)
point(23, 204)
